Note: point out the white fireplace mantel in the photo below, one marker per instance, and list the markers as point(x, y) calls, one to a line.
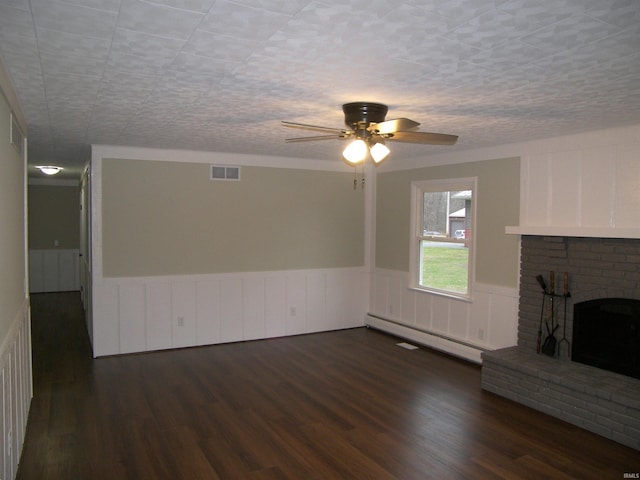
point(572, 231)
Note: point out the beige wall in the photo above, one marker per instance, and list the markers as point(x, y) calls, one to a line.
point(54, 214)
point(168, 218)
point(12, 236)
point(497, 201)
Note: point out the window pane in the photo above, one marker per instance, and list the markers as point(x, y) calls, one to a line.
point(444, 265)
point(443, 213)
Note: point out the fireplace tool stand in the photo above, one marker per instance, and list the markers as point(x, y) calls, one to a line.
point(551, 347)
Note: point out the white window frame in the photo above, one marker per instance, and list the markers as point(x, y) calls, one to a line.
point(418, 189)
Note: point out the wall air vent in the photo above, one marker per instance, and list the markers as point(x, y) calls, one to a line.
point(225, 172)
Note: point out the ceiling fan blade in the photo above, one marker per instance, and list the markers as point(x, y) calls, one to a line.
point(423, 137)
point(391, 126)
point(316, 137)
point(316, 128)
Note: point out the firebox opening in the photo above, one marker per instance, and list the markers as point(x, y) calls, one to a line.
point(606, 334)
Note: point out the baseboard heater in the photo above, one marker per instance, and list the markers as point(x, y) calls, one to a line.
point(429, 339)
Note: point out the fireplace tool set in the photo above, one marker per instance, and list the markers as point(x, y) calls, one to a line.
point(551, 346)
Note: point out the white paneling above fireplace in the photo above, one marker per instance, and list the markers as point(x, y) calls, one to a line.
point(583, 185)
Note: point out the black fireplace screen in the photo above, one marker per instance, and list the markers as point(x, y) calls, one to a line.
point(606, 334)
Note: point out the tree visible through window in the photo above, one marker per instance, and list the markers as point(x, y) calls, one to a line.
point(443, 222)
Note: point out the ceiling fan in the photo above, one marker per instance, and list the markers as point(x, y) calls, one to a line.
point(367, 126)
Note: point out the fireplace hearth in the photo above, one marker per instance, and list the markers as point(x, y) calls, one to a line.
point(606, 334)
point(598, 386)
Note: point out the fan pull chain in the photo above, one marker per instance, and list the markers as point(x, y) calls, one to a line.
point(355, 177)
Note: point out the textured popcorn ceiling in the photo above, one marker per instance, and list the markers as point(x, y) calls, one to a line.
point(219, 75)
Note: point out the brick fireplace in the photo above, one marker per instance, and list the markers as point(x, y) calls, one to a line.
point(598, 400)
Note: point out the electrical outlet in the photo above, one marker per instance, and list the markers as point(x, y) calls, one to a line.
point(292, 311)
point(181, 321)
point(480, 334)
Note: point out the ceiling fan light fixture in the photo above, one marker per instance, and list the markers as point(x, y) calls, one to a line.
point(368, 128)
point(379, 152)
point(49, 169)
point(355, 152)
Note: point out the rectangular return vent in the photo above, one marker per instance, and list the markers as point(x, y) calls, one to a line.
point(224, 172)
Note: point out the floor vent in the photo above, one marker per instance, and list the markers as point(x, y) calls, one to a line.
point(407, 346)
point(225, 172)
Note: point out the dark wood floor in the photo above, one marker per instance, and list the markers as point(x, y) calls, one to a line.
point(338, 405)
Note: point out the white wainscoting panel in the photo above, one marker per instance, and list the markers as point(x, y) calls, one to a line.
point(184, 313)
point(158, 315)
point(275, 307)
point(231, 315)
point(131, 312)
point(55, 270)
point(460, 327)
point(342, 306)
point(254, 308)
point(316, 304)
point(105, 318)
point(16, 391)
point(296, 303)
point(155, 313)
point(207, 312)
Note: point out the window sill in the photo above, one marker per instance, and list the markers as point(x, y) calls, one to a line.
point(453, 296)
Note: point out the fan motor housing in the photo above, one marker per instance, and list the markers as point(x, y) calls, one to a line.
point(356, 113)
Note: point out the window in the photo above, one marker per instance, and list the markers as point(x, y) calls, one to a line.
point(442, 236)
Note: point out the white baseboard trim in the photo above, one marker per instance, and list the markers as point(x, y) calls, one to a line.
point(433, 340)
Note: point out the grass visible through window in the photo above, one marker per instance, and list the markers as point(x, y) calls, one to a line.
point(444, 266)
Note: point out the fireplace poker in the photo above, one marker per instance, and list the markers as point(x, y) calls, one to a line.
point(550, 343)
point(544, 297)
